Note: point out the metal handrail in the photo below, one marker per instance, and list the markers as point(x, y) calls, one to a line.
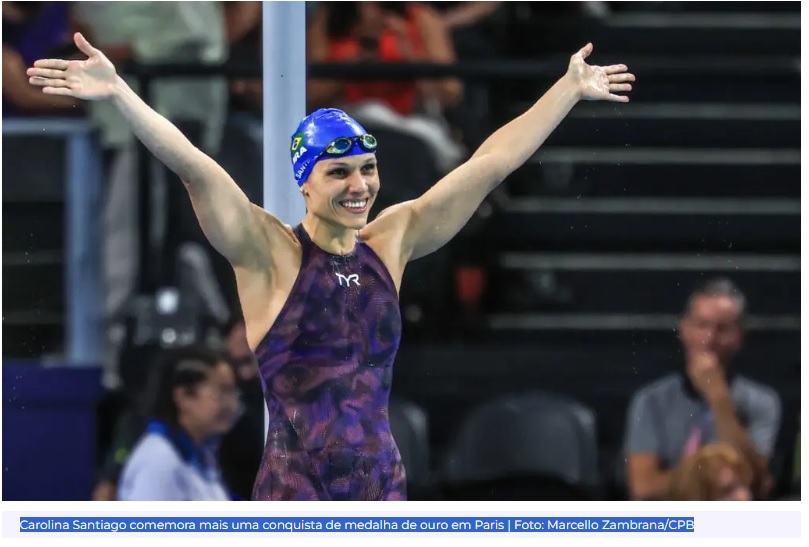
point(83, 314)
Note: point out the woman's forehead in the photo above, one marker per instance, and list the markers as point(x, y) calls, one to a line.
point(351, 161)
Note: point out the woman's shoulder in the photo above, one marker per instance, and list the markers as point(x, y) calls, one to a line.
point(152, 448)
point(153, 471)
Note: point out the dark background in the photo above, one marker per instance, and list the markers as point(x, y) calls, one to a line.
point(583, 249)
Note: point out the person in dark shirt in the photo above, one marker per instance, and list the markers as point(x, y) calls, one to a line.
point(242, 447)
point(31, 31)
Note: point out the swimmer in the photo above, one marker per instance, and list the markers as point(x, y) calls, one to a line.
point(320, 299)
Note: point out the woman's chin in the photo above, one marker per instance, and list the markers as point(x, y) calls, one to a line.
point(357, 224)
point(353, 221)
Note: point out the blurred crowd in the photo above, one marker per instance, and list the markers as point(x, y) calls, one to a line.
point(439, 121)
point(195, 429)
point(186, 421)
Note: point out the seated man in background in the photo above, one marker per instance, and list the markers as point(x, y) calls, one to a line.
point(704, 403)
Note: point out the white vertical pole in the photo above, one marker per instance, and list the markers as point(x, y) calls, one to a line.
point(284, 49)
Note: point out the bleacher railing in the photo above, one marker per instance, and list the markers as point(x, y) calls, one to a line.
point(82, 281)
point(83, 273)
point(473, 74)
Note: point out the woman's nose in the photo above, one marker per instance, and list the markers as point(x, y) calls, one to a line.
point(357, 184)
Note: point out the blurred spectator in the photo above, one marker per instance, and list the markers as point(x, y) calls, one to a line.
point(149, 33)
point(161, 32)
point(466, 14)
point(240, 450)
point(473, 27)
point(31, 31)
point(704, 403)
point(713, 473)
point(126, 410)
point(479, 32)
point(128, 430)
point(388, 32)
point(195, 402)
point(243, 23)
point(242, 357)
point(243, 446)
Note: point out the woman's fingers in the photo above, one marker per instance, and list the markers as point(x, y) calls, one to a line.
point(614, 98)
point(84, 45)
point(43, 82)
point(58, 64)
point(614, 69)
point(50, 75)
point(46, 73)
point(57, 91)
point(623, 77)
point(620, 87)
point(585, 51)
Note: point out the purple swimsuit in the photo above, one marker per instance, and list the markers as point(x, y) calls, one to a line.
point(327, 365)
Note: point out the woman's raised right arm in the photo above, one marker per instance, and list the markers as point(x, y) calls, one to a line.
point(230, 222)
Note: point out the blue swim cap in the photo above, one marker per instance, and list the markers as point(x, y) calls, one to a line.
point(314, 135)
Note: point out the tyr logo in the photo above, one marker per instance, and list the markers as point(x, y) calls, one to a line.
point(348, 279)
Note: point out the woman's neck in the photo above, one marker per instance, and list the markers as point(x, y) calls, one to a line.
point(194, 433)
point(329, 237)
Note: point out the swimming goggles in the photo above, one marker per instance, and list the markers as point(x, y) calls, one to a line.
point(341, 146)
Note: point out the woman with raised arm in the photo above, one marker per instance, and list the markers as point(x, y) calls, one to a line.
point(320, 300)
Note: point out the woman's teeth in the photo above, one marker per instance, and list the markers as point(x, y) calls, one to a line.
point(359, 204)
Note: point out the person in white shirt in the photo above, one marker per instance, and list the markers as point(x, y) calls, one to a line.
point(195, 402)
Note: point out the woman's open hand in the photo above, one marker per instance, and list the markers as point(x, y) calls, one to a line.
point(599, 83)
point(92, 79)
